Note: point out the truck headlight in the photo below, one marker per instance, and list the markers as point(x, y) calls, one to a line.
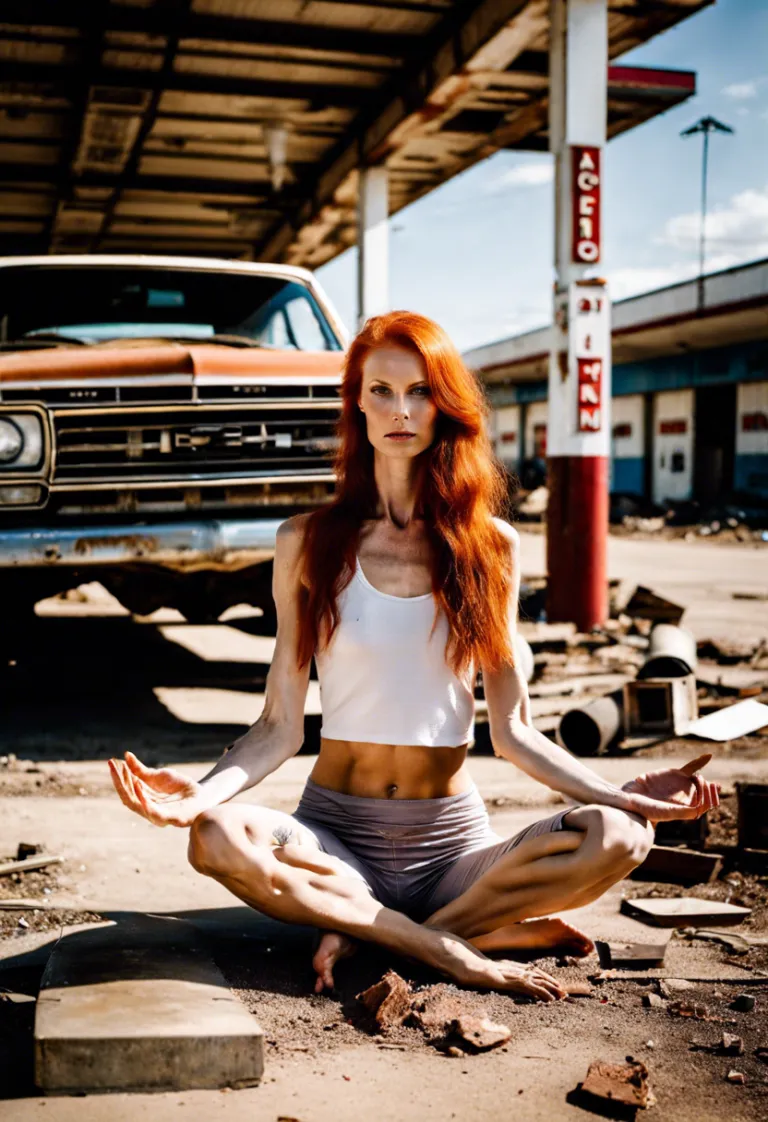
point(21, 441)
point(11, 441)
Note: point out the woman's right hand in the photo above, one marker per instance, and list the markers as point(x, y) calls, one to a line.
point(161, 795)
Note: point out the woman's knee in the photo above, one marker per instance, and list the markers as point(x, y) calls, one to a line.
point(212, 845)
point(618, 838)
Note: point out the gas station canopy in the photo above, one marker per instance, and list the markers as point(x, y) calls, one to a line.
point(236, 127)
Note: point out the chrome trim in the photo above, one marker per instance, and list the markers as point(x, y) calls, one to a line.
point(305, 404)
point(192, 481)
point(185, 546)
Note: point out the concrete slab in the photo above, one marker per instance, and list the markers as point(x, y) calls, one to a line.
point(684, 911)
point(141, 1005)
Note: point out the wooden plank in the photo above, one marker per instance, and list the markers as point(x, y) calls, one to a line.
point(28, 864)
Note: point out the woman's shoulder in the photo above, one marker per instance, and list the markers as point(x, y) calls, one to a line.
point(509, 532)
point(292, 530)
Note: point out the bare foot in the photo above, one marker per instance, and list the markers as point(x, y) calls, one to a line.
point(548, 936)
point(333, 947)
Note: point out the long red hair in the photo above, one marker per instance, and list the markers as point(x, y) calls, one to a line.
point(461, 486)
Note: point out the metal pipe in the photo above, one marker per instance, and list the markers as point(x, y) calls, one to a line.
point(671, 653)
point(590, 729)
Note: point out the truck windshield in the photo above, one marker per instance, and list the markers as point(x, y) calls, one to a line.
point(94, 304)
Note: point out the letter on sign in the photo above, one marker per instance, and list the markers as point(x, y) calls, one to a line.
point(590, 379)
point(585, 189)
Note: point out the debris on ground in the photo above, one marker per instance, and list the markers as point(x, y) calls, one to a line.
point(389, 1000)
point(697, 1012)
point(438, 1013)
point(534, 505)
point(478, 1034)
point(29, 864)
point(731, 1045)
point(676, 865)
point(736, 1077)
point(646, 604)
point(634, 956)
point(683, 911)
point(732, 721)
point(752, 803)
point(625, 1084)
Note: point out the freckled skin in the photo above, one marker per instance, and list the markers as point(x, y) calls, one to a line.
point(395, 397)
point(277, 866)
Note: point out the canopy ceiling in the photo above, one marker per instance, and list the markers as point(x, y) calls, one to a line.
point(146, 125)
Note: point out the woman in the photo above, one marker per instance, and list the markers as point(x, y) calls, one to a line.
point(402, 588)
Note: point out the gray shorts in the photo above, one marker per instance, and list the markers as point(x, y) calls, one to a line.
point(414, 855)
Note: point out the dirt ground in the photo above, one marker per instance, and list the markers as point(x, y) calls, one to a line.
point(176, 693)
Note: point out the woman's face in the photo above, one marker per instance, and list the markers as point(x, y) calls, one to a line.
point(396, 400)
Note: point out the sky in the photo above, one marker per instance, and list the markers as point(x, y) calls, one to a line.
point(476, 254)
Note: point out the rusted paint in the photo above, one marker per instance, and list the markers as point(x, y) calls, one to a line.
point(169, 359)
point(137, 544)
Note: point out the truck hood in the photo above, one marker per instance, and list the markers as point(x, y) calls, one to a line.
point(196, 360)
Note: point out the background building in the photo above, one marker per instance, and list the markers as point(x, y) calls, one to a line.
point(689, 414)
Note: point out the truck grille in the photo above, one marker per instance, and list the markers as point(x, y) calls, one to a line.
point(192, 444)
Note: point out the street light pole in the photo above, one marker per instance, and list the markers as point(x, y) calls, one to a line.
point(706, 126)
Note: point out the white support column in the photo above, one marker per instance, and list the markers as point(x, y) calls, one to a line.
point(578, 436)
point(373, 243)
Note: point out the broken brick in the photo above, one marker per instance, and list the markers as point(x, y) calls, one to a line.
point(620, 1083)
point(434, 1010)
point(743, 1002)
point(389, 1000)
point(731, 1045)
point(736, 1077)
point(479, 1034)
point(579, 989)
point(690, 1009)
point(653, 1001)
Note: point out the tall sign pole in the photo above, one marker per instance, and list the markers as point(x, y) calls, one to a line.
point(705, 126)
point(578, 427)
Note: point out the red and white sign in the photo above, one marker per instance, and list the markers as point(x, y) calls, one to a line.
point(590, 394)
point(589, 356)
point(585, 192)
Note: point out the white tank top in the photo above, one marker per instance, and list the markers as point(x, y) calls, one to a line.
point(384, 681)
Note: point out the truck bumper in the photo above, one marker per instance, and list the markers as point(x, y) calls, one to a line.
point(180, 546)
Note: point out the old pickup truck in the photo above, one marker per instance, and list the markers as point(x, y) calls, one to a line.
point(159, 418)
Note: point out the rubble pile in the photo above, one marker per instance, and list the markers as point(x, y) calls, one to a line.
point(632, 515)
point(440, 1015)
point(641, 680)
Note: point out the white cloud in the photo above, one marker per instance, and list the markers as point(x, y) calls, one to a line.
point(524, 175)
point(741, 91)
point(634, 281)
point(739, 230)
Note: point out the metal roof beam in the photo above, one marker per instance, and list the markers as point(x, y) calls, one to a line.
point(91, 55)
point(23, 14)
point(444, 53)
point(66, 79)
point(50, 175)
point(175, 10)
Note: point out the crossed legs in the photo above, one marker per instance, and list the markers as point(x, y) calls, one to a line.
point(298, 883)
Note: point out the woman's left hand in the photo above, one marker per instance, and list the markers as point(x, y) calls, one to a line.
point(673, 793)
